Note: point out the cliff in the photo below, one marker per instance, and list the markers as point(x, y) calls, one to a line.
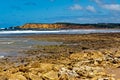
point(42, 26)
point(69, 26)
point(54, 26)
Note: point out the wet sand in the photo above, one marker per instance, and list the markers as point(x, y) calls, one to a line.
point(76, 57)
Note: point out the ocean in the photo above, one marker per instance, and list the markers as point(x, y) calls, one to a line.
point(73, 31)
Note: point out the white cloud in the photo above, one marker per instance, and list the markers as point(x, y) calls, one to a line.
point(114, 7)
point(98, 19)
point(97, 1)
point(90, 8)
point(76, 7)
point(109, 5)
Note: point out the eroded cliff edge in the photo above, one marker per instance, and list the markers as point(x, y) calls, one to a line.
point(54, 26)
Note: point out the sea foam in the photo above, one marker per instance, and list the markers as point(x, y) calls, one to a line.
point(71, 31)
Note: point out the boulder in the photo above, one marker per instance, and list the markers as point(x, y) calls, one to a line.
point(42, 67)
point(16, 77)
point(117, 54)
point(34, 77)
point(51, 75)
point(78, 56)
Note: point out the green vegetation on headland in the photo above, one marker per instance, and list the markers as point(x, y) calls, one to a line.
point(54, 26)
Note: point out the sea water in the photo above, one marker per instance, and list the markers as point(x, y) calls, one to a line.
point(71, 31)
point(11, 46)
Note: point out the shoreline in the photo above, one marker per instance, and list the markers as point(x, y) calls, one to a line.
point(64, 31)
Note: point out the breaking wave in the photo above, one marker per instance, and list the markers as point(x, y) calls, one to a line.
point(78, 31)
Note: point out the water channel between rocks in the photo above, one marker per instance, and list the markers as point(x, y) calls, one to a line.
point(12, 46)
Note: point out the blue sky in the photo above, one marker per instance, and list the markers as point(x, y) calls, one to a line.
point(19, 12)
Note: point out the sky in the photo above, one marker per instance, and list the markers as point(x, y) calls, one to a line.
point(20, 12)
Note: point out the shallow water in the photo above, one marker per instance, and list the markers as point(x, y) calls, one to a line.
point(12, 46)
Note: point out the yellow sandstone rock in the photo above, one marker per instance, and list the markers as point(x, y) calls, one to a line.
point(34, 77)
point(117, 54)
point(51, 75)
point(78, 56)
point(42, 67)
point(16, 77)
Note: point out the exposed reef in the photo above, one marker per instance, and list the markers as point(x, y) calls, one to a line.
point(80, 57)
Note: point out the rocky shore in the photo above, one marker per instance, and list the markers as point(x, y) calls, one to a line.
point(80, 57)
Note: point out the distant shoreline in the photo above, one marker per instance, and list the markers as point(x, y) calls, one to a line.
point(68, 31)
point(63, 25)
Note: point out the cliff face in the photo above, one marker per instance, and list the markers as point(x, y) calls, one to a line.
point(54, 26)
point(67, 26)
point(42, 26)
